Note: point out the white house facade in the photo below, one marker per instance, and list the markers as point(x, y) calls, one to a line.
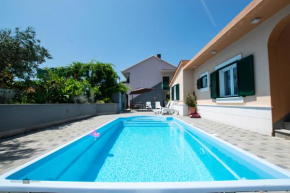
point(153, 72)
point(241, 77)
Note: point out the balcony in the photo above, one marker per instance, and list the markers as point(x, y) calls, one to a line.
point(165, 86)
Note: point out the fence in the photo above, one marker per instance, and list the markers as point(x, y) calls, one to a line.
point(17, 119)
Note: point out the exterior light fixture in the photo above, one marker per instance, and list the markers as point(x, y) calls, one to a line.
point(214, 52)
point(256, 20)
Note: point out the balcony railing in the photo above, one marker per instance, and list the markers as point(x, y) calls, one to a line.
point(165, 86)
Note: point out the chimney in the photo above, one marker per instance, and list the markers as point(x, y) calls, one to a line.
point(159, 56)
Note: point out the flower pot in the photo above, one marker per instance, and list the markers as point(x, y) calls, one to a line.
point(191, 110)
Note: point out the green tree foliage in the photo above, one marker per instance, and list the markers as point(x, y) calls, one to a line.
point(98, 75)
point(20, 55)
point(53, 88)
point(66, 84)
point(60, 89)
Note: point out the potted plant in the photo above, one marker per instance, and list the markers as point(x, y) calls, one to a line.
point(190, 101)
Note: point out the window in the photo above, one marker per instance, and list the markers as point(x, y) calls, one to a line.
point(166, 79)
point(233, 80)
point(175, 92)
point(228, 81)
point(128, 78)
point(203, 82)
point(165, 83)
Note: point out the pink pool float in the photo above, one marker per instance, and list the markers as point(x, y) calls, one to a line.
point(96, 135)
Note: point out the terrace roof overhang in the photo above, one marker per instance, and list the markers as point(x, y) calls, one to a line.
point(237, 28)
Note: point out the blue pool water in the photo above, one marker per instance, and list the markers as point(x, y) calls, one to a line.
point(145, 149)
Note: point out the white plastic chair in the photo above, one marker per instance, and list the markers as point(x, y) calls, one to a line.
point(168, 104)
point(168, 110)
point(159, 111)
point(148, 105)
point(157, 105)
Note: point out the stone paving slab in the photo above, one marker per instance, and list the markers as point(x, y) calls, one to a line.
point(15, 151)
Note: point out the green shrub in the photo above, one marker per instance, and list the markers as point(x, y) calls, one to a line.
point(21, 98)
point(190, 100)
point(54, 89)
point(102, 77)
point(107, 100)
point(100, 102)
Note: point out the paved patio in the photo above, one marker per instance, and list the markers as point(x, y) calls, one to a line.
point(18, 150)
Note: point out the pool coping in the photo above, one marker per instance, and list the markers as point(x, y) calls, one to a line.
point(202, 186)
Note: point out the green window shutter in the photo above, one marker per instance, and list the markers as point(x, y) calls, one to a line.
point(198, 83)
point(246, 81)
point(177, 92)
point(214, 85)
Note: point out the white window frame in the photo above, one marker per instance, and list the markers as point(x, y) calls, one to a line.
point(208, 81)
point(174, 92)
point(229, 99)
point(222, 83)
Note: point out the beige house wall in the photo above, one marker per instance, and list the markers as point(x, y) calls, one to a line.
point(256, 43)
point(179, 105)
point(188, 81)
point(178, 80)
point(255, 113)
point(185, 79)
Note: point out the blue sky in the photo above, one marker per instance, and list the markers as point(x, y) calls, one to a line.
point(122, 32)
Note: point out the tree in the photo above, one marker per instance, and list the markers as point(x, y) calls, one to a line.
point(20, 55)
point(104, 75)
point(99, 75)
point(52, 88)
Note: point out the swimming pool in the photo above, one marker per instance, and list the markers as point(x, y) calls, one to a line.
point(146, 153)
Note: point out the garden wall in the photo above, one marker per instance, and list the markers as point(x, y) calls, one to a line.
point(18, 119)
